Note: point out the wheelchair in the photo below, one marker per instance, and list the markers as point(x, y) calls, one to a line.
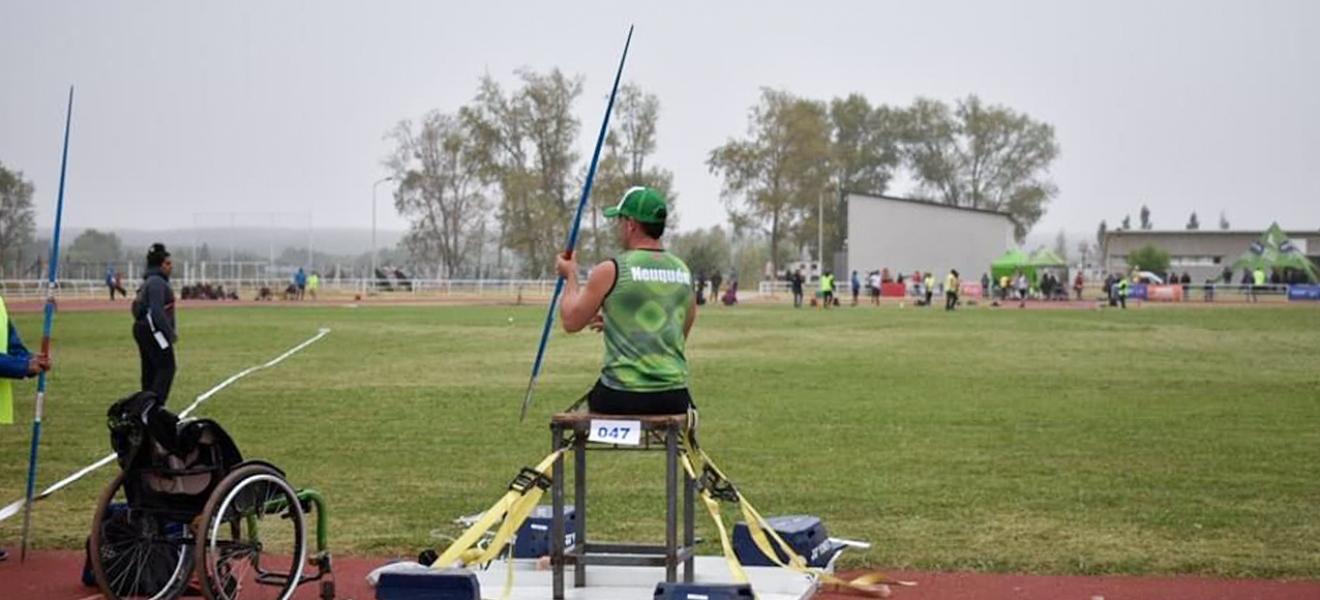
point(187, 515)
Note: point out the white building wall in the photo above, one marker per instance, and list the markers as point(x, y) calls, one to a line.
point(907, 235)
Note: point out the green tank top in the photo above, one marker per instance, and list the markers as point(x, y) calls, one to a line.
point(644, 317)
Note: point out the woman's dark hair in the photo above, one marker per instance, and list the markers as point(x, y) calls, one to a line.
point(156, 255)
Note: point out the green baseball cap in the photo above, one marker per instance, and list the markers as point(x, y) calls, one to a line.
point(643, 204)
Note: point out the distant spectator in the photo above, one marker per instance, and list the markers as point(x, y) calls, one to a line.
point(112, 282)
point(300, 280)
point(856, 284)
point(731, 294)
point(115, 284)
point(1123, 292)
point(701, 287)
point(827, 289)
point(1021, 285)
point(951, 290)
point(1186, 282)
point(383, 280)
point(715, 281)
point(928, 285)
point(795, 281)
point(985, 285)
point(313, 283)
point(876, 285)
point(1258, 283)
point(402, 280)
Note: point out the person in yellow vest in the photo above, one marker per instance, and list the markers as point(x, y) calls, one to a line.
point(15, 363)
point(1258, 281)
point(827, 289)
point(929, 284)
point(313, 283)
point(951, 290)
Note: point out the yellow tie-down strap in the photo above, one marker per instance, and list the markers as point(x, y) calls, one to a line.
point(712, 483)
point(524, 495)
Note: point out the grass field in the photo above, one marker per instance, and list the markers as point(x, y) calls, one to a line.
point(1159, 440)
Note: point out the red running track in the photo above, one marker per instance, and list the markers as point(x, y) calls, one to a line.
point(54, 575)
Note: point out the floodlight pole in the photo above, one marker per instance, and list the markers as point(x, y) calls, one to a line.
point(373, 230)
point(820, 233)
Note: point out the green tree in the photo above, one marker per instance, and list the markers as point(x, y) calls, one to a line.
point(772, 179)
point(17, 218)
point(865, 154)
point(440, 190)
point(1146, 223)
point(629, 146)
point(704, 250)
point(523, 144)
point(1149, 258)
point(1193, 223)
point(93, 247)
point(980, 156)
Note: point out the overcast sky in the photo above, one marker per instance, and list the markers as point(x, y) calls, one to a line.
point(188, 107)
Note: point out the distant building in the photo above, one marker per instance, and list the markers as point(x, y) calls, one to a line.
point(1203, 254)
point(906, 235)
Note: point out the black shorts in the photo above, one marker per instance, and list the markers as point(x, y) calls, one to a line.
point(605, 400)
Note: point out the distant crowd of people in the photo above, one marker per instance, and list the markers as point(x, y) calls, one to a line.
point(730, 296)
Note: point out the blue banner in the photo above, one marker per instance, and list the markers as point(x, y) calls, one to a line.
point(1307, 292)
point(1138, 292)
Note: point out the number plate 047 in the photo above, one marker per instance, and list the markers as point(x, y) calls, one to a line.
point(610, 431)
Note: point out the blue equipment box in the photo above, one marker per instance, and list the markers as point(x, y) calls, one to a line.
point(694, 591)
point(804, 533)
point(534, 535)
point(447, 584)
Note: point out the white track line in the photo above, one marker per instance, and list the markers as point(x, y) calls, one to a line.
point(13, 508)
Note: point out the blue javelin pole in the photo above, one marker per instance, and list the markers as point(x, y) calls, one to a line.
point(573, 231)
point(45, 337)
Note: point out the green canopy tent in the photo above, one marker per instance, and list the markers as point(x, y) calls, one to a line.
point(1047, 261)
point(1009, 264)
point(1047, 258)
point(1274, 251)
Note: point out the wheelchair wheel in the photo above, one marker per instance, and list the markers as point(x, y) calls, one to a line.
point(137, 554)
point(252, 541)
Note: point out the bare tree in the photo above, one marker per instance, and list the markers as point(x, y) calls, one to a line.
point(623, 164)
point(440, 190)
point(523, 143)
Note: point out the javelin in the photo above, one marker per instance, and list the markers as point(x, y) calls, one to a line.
point(573, 231)
point(45, 337)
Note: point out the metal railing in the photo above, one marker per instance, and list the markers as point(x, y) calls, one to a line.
point(1192, 292)
point(248, 289)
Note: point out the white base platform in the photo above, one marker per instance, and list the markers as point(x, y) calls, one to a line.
point(638, 583)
